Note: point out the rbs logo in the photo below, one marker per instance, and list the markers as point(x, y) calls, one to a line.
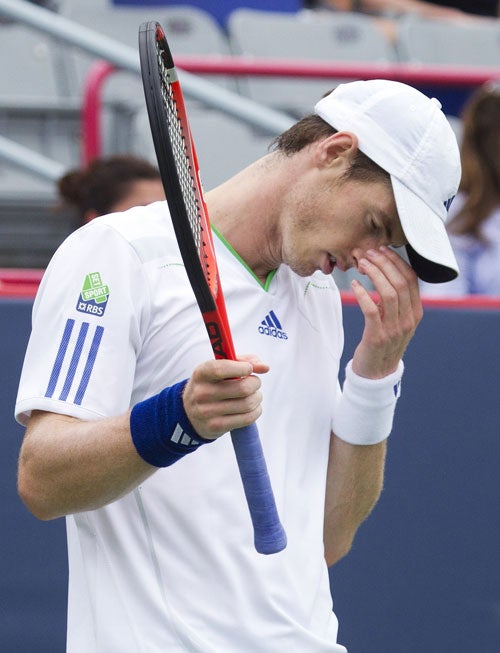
point(94, 295)
point(90, 307)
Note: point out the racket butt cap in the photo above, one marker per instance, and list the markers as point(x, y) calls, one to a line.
point(271, 544)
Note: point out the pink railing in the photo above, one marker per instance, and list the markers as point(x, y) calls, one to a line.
point(446, 76)
point(19, 282)
point(92, 110)
point(409, 73)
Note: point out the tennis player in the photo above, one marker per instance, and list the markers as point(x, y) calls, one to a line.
point(127, 413)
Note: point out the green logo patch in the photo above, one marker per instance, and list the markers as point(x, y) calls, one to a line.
point(94, 295)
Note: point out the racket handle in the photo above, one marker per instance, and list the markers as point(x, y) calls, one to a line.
point(269, 534)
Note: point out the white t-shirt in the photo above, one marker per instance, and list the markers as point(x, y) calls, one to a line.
point(172, 566)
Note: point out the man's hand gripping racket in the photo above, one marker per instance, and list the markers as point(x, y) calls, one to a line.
point(178, 166)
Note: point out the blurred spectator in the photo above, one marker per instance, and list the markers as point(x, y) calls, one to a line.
point(386, 12)
point(478, 7)
point(447, 9)
point(474, 218)
point(110, 184)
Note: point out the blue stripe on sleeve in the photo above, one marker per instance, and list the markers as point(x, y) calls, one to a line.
point(56, 369)
point(94, 348)
point(74, 361)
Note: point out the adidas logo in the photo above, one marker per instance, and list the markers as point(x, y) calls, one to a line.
point(271, 326)
point(181, 437)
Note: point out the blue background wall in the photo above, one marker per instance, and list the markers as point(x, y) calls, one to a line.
point(424, 571)
point(33, 562)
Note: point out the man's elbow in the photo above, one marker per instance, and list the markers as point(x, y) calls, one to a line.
point(337, 550)
point(33, 497)
point(340, 537)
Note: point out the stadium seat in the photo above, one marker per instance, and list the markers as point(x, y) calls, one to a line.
point(189, 31)
point(37, 112)
point(426, 41)
point(31, 223)
point(224, 145)
point(51, 128)
point(325, 37)
point(30, 66)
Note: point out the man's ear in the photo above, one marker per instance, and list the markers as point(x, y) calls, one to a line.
point(339, 149)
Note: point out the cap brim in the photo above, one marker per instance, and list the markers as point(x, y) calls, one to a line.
point(429, 250)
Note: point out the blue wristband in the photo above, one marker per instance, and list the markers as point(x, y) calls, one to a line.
point(161, 430)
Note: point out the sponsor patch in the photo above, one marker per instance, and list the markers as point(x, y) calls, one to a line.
point(94, 295)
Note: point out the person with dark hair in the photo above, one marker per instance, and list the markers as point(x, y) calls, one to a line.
point(128, 414)
point(110, 184)
point(385, 13)
point(449, 9)
point(487, 8)
point(474, 217)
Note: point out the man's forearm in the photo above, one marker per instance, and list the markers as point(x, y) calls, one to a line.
point(68, 465)
point(354, 483)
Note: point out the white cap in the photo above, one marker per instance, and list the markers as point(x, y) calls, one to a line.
point(406, 134)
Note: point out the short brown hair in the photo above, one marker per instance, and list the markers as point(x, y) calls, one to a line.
point(312, 128)
point(104, 182)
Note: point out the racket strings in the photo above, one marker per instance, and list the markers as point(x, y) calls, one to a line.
point(183, 162)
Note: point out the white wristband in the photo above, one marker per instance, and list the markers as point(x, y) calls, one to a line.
point(366, 408)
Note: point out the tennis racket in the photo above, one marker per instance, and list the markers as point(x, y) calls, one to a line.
point(178, 166)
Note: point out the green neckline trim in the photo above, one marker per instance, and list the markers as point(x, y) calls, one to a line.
point(271, 274)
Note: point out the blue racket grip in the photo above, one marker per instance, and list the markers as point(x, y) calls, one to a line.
point(269, 534)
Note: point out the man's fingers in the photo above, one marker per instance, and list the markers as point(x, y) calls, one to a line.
point(222, 395)
point(391, 321)
point(396, 284)
point(259, 367)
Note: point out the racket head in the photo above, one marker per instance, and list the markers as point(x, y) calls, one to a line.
point(178, 163)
